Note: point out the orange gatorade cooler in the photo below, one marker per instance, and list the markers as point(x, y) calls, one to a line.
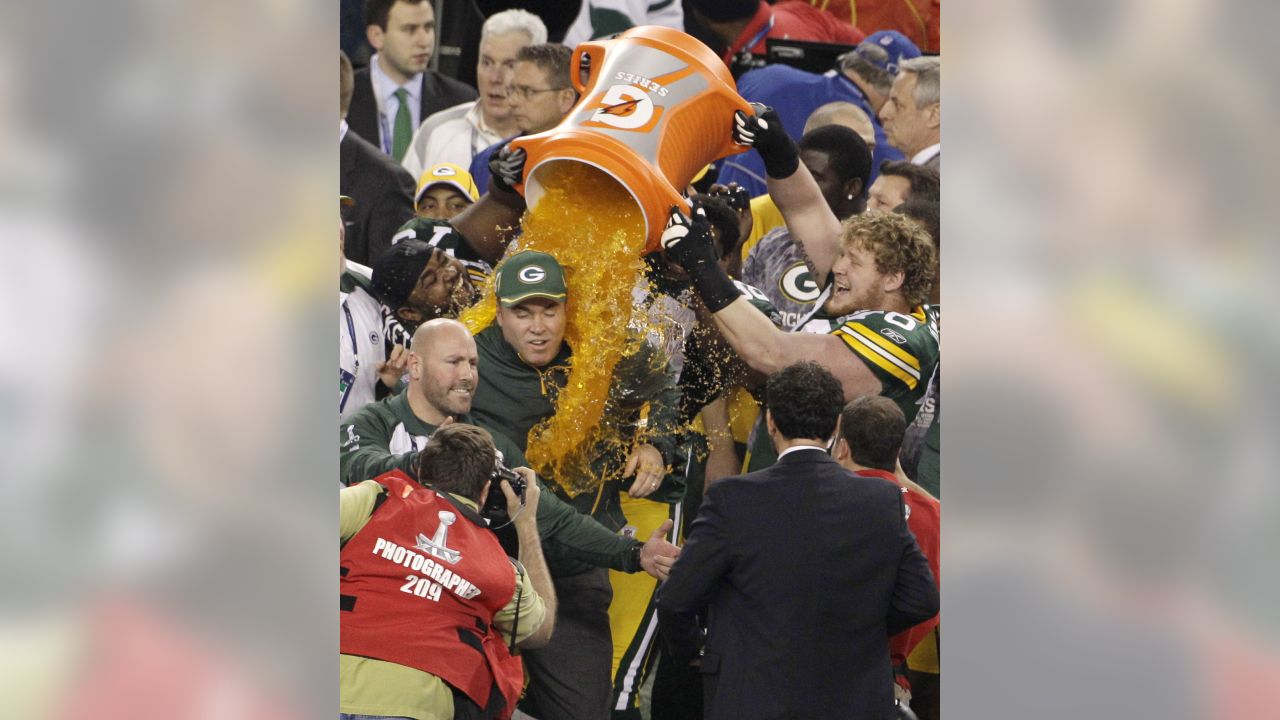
point(656, 107)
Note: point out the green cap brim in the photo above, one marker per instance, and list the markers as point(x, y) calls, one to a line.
point(516, 300)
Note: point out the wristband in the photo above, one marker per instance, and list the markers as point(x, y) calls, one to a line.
point(636, 549)
point(781, 162)
point(715, 287)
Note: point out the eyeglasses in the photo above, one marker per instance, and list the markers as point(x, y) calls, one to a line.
point(526, 92)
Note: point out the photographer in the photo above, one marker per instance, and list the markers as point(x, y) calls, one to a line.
point(431, 605)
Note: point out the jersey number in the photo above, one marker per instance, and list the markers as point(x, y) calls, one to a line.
point(905, 322)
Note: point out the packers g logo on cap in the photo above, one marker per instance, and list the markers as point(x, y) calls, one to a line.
point(531, 274)
point(797, 285)
point(444, 171)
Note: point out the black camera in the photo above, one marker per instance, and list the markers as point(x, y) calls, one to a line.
point(495, 506)
point(737, 197)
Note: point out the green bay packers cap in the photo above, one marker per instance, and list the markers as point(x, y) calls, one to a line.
point(447, 174)
point(530, 274)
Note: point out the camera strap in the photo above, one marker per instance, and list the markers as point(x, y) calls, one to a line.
point(515, 625)
point(509, 520)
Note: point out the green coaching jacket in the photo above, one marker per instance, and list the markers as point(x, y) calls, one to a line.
point(513, 396)
point(386, 435)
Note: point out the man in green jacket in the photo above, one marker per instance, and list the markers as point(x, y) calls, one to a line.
point(524, 363)
point(390, 433)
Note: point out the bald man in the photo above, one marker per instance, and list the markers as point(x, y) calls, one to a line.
point(389, 434)
point(846, 114)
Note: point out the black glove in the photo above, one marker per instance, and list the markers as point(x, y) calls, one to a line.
point(506, 167)
point(687, 241)
point(763, 131)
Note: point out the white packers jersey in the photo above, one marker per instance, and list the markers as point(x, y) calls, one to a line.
point(361, 348)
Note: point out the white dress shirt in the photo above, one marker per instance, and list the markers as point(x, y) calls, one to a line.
point(926, 154)
point(384, 92)
point(794, 448)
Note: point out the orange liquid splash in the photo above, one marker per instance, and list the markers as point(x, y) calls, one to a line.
point(593, 227)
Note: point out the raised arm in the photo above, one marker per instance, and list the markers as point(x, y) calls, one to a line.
point(809, 219)
point(491, 222)
point(748, 331)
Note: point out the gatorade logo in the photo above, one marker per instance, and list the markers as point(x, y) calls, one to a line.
point(797, 285)
point(626, 107)
point(531, 274)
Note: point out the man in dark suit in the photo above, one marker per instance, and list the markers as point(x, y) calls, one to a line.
point(403, 32)
point(381, 189)
point(805, 569)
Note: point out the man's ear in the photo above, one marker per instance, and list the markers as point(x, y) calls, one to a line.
point(567, 100)
point(484, 492)
point(768, 422)
point(374, 34)
point(415, 366)
point(408, 314)
point(853, 187)
point(893, 281)
point(934, 115)
point(841, 450)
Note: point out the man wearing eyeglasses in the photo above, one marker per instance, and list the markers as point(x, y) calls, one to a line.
point(540, 96)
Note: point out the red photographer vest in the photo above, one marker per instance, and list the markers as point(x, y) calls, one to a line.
point(420, 585)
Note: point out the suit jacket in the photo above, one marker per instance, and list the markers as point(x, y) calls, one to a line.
point(383, 192)
point(806, 569)
point(438, 92)
point(935, 163)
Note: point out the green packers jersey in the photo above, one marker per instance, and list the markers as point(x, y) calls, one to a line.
point(761, 302)
point(439, 233)
point(901, 350)
point(386, 435)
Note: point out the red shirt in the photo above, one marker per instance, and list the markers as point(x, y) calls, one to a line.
point(917, 19)
point(924, 516)
point(793, 20)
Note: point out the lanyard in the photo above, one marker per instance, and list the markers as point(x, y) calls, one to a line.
point(760, 35)
point(351, 332)
point(744, 51)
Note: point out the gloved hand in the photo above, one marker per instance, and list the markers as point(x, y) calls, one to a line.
point(687, 239)
point(506, 167)
point(764, 132)
point(687, 242)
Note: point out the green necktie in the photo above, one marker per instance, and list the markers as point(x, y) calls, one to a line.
point(403, 131)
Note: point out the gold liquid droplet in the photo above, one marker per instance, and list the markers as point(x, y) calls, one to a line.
point(593, 227)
